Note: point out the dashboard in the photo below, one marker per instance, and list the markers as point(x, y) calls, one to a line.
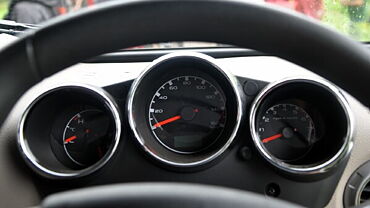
point(259, 124)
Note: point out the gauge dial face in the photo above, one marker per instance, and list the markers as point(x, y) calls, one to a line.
point(286, 131)
point(87, 137)
point(187, 114)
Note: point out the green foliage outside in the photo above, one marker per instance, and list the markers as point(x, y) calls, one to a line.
point(3, 7)
point(336, 15)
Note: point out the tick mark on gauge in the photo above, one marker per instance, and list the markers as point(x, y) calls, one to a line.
point(151, 110)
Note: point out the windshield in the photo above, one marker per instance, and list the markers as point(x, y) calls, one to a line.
point(350, 17)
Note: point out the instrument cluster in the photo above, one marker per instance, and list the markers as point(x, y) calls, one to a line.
point(185, 112)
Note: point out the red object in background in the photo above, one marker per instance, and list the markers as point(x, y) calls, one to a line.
point(311, 8)
point(90, 2)
point(62, 10)
point(284, 3)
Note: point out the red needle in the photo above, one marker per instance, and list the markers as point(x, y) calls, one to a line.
point(167, 121)
point(70, 139)
point(268, 139)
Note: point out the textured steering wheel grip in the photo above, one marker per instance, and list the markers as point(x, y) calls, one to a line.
point(70, 39)
point(169, 195)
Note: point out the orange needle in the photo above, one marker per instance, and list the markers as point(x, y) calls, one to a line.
point(167, 121)
point(70, 139)
point(268, 139)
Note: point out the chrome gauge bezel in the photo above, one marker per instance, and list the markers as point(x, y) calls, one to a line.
point(323, 167)
point(34, 162)
point(232, 81)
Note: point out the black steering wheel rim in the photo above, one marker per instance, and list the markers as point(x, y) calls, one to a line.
point(169, 195)
point(120, 24)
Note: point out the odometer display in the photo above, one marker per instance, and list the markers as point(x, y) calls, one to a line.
point(187, 114)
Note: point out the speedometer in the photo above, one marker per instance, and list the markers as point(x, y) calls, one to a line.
point(187, 114)
point(185, 110)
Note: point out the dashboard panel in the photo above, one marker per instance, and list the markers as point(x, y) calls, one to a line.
point(230, 151)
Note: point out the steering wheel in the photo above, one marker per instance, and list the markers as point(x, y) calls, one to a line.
point(70, 39)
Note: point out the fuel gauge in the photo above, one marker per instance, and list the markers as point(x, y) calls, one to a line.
point(87, 137)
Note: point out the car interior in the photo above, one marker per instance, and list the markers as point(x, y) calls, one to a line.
point(266, 108)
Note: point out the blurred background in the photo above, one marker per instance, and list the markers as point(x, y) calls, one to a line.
point(350, 17)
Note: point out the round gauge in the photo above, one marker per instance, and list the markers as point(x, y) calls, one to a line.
point(187, 114)
point(286, 131)
point(87, 137)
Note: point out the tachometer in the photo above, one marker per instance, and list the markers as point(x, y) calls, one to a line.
point(287, 131)
point(187, 114)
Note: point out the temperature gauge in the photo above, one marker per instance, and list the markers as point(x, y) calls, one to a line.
point(87, 137)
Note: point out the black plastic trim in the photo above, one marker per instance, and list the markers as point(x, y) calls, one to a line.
point(125, 56)
point(147, 55)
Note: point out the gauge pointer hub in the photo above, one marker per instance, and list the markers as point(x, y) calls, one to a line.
point(288, 132)
point(188, 113)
